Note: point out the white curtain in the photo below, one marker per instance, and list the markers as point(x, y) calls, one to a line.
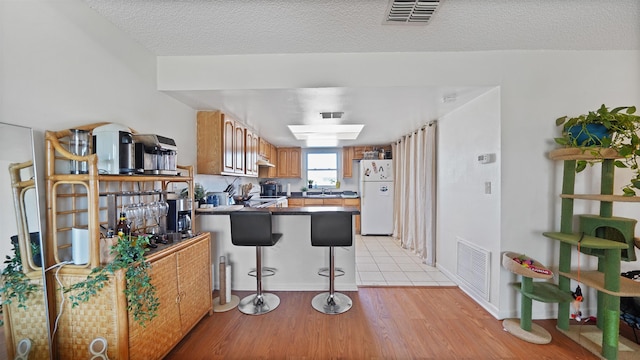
point(415, 192)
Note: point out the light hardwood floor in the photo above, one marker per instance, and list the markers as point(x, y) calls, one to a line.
point(384, 323)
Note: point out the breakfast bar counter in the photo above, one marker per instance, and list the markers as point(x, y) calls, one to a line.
point(295, 260)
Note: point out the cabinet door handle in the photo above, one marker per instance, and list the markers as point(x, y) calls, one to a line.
point(178, 299)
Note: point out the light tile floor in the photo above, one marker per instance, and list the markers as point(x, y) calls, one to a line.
point(380, 261)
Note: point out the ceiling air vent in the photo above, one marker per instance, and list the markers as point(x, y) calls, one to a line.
point(331, 115)
point(411, 11)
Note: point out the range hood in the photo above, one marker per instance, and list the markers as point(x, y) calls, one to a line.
point(262, 162)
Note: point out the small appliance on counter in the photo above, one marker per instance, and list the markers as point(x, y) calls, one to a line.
point(155, 154)
point(270, 188)
point(179, 216)
point(113, 143)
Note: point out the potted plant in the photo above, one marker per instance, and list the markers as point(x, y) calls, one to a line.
point(199, 194)
point(304, 191)
point(141, 296)
point(603, 128)
point(310, 184)
point(16, 285)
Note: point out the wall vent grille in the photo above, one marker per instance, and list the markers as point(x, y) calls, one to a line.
point(411, 11)
point(473, 268)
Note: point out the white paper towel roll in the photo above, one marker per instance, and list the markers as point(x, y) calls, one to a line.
point(227, 294)
point(80, 246)
point(288, 189)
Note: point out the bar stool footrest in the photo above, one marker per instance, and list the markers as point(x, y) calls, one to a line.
point(325, 271)
point(266, 272)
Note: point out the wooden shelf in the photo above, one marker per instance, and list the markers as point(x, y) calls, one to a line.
point(595, 279)
point(584, 153)
point(121, 178)
point(598, 197)
point(590, 242)
point(545, 292)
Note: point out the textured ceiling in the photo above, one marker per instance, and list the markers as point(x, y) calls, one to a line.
point(217, 27)
point(223, 27)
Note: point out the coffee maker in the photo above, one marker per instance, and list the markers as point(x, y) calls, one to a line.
point(113, 143)
point(179, 216)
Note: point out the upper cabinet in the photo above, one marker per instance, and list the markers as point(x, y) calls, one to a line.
point(350, 153)
point(347, 161)
point(267, 152)
point(289, 162)
point(225, 146)
point(251, 153)
point(264, 149)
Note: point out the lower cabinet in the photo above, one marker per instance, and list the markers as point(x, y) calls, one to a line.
point(300, 202)
point(28, 322)
point(182, 277)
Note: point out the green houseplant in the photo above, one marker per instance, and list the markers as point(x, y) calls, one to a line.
point(199, 193)
point(140, 293)
point(15, 283)
point(603, 128)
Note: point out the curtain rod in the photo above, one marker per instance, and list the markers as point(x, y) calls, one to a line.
point(429, 124)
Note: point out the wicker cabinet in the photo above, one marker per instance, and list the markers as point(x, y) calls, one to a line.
point(87, 202)
point(183, 282)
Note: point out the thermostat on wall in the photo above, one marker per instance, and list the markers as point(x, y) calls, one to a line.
point(486, 158)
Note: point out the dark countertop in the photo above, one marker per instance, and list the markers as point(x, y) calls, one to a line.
point(287, 210)
point(298, 195)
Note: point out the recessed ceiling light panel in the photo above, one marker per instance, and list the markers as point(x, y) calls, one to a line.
point(336, 131)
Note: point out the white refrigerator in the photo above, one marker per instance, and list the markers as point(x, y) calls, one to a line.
point(376, 197)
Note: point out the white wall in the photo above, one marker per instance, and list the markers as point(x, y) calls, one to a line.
point(465, 211)
point(62, 65)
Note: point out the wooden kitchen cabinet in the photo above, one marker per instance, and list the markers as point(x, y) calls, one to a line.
point(351, 153)
point(263, 148)
point(358, 151)
point(313, 202)
point(251, 153)
point(272, 172)
point(225, 146)
point(295, 202)
point(347, 161)
point(300, 202)
point(355, 203)
point(270, 154)
point(289, 162)
point(239, 148)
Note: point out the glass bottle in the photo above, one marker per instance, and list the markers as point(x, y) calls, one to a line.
point(123, 228)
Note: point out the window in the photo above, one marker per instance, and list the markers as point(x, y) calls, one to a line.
point(322, 168)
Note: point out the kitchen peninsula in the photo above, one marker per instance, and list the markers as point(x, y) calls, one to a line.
point(296, 261)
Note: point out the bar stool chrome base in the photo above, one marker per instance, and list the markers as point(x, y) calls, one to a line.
point(331, 305)
point(258, 304)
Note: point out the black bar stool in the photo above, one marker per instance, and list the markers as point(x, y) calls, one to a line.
point(253, 228)
point(331, 229)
